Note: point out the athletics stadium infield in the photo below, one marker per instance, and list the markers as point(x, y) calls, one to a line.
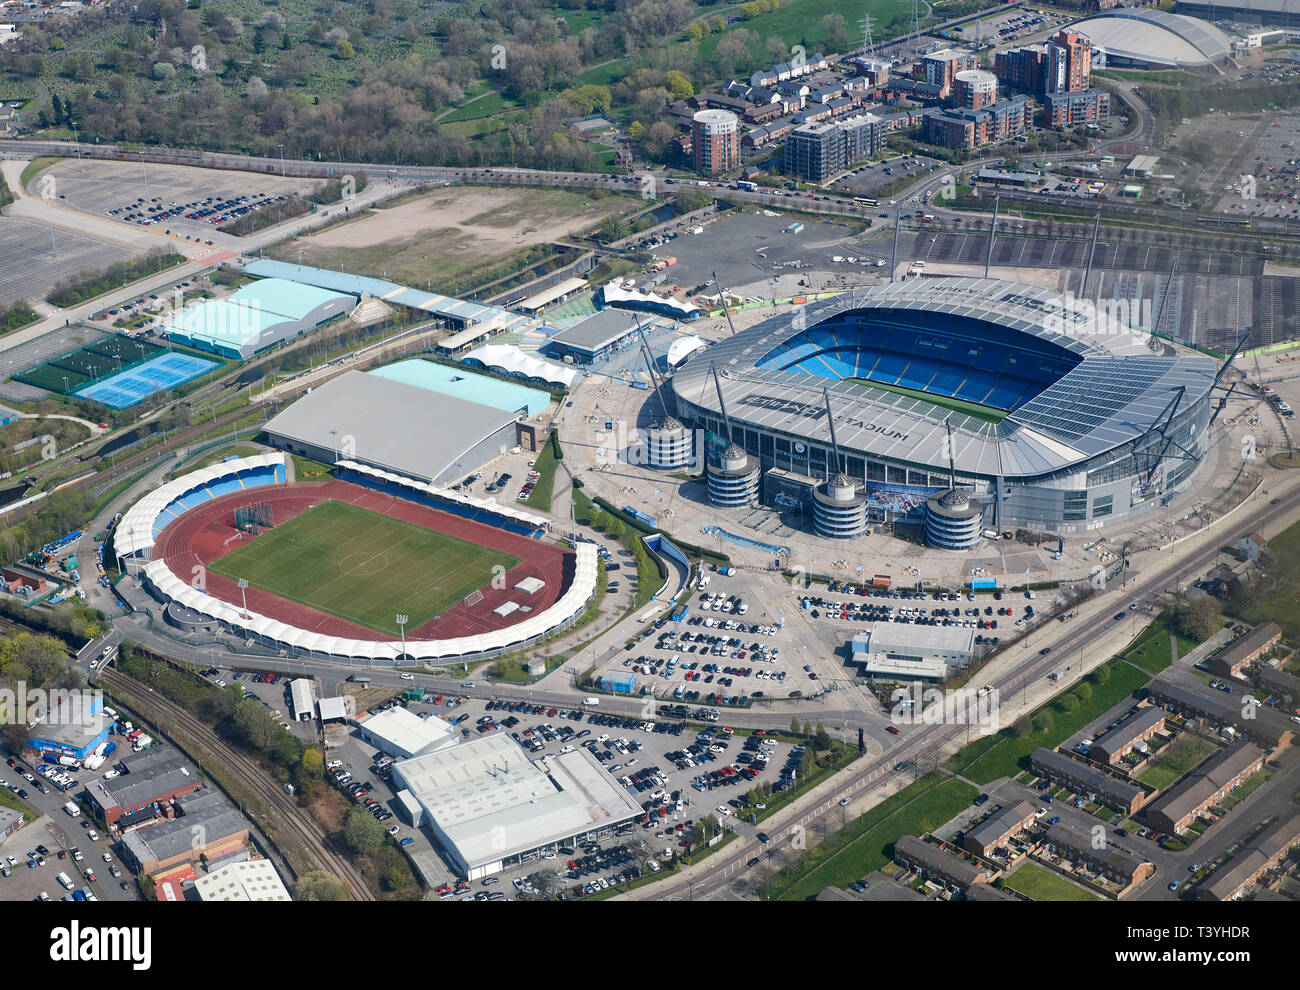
point(343, 560)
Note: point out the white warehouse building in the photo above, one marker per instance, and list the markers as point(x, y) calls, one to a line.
point(490, 807)
point(402, 734)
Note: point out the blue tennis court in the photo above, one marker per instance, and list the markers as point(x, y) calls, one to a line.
point(159, 374)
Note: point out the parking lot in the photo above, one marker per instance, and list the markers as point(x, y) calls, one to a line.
point(270, 690)
point(677, 774)
point(56, 843)
point(190, 202)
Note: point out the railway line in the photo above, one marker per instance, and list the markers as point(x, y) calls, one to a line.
point(288, 815)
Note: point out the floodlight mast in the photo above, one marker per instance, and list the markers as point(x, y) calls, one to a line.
point(650, 366)
point(952, 463)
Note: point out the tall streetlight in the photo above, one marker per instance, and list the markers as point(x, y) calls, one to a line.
point(401, 625)
point(243, 594)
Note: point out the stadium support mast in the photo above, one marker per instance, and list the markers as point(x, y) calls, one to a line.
point(830, 421)
point(1164, 298)
point(1242, 338)
point(722, 294)
point(893, 263)
point(952, 461)
point(1161, 428)
point(1092, 251)
point(650, 366)
point(988, 258)
point(722, 403)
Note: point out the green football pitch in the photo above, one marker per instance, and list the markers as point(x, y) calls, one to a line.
point(986, 413)
point(362, 566)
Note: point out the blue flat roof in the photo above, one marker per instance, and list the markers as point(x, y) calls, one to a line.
point(462, 384)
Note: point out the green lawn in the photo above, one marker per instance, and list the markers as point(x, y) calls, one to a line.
point(1181, 756)
point(1275, 601)
point(1150, 650)
point(973, 409)
point(866, 845)
point(363, 566)
point(1004, 755)
point(546, 464)
point(1040, 884)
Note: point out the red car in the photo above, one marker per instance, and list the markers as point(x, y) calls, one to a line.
point(893, 730)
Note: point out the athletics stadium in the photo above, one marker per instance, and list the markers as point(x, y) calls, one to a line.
point(322, 569)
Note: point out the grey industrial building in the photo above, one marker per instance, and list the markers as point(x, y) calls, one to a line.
point(394, 426)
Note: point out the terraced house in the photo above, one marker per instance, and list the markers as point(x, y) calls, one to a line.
point(1176, 809)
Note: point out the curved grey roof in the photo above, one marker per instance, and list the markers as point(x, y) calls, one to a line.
point(1115, 393)
point(1156, 36)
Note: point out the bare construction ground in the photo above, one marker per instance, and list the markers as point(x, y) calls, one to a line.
point(447, 237)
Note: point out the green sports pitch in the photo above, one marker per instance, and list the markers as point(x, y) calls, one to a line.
point(364, 567)
point(986, 413)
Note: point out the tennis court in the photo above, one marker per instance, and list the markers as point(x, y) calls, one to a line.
point(156, 375)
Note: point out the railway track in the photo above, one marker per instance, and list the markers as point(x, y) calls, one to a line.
point(289, 815)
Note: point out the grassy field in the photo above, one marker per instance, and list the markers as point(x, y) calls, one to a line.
point(1042, 885)
point(546, 464)
point(362, 566)
point(455, 240)
point(867, 844)
point(1176, 761)
point(1150, 650)
point(1275, 601)
point(974, 409)
point(1005, 755)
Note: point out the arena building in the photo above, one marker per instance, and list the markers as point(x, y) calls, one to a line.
point(1154, 39)
point(1061, 420)
point(257, 316)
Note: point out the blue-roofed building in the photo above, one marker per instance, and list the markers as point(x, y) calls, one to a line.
point(618, 680)
point(257, 316)
point(461, 384)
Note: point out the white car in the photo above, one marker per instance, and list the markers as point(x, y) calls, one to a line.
point(112, 773)
point(394, 830)
point(408, 677)
point(108, 857)
point(724, 810)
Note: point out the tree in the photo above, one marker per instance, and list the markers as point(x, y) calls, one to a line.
point(835, 32)
point(1021, 727)
point(821, 738)
point(320, 886)
point(679, 87)
point(794, 725)
point(616, 528)
point(313, 760)
point(344, 49)
point(1198, 619)
point(393, 877)
point(363, 833)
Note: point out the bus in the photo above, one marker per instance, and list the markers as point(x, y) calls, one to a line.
point(359, 679)
point(1224, 221)
point(864, 201)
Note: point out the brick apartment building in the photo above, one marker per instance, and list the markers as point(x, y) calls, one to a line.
point(1257, 857)
point(1245, 650)
point(935, 864)
point(1176, 809)
point(1059, 72)
point(1112, 746)
point(1110, 861)
point(1084, 779)
point(818, 151)
point(961, 128)
point(1089, 106)
point(1004, 824)
point(1268, 728)
point(1285, 686)
point(715, 141)
point(940, 68)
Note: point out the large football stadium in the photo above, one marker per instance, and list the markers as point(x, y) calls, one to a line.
point(324, 568)
point(1062, 418)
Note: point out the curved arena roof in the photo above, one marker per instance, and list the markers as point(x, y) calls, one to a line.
point(1156, 37)
point(1114, 390)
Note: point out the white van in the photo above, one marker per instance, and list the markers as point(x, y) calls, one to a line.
point(591, 702)
point(66, 881)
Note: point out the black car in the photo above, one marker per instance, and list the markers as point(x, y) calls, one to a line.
point(982, 799)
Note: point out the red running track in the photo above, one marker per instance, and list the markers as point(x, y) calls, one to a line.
point(199, 537)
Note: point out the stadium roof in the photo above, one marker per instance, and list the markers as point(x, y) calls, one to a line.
point(1156, 36)
point(252, 310)
point(135, 531)
point(616, 296)
point(463, 384)
point(390, 424)
point(548, 296)
point(1115, 393)
point(490, 801)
